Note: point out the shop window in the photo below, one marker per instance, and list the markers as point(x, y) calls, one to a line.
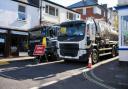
point(51, 10)
point(80, 11)
point(21, 12)
point(124, 31)
point(23, 45)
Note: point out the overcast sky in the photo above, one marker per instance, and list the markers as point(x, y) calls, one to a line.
point(110, 3)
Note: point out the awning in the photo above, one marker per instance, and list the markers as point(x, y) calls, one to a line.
point(3, 31)
point(19, 33)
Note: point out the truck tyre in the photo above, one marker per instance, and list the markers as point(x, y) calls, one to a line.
point(94, 56)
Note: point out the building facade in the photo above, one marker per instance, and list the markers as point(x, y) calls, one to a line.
point(123, 31)
point(16, 18)
point(90, 8)
point(53, 13)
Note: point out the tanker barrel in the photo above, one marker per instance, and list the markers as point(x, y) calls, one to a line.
point(106, 31)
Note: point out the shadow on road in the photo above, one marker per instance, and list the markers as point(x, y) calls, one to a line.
point(23, 72)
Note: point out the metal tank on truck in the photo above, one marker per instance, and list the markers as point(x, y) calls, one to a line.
point(106, 31)
point(79, 39)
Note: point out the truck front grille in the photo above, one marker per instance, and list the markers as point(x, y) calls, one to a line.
point(69, 49)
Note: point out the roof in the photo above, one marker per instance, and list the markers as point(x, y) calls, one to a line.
point(122, 7)
point(83, 4)
point(60, 6)
point(34, 3)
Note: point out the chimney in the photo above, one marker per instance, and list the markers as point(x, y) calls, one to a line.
point(96, 0)
point(105, 6)
point(83, 0)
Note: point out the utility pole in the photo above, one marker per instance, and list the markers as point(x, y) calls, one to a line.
point(40, 12)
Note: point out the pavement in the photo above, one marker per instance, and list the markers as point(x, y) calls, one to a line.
point(5, 61)
point(110, 75)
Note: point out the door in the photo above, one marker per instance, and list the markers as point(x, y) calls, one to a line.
point(14, 45)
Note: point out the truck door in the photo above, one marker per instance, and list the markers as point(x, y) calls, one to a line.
point(91, 31)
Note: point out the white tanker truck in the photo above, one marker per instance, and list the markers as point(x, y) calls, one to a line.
point(78, 39)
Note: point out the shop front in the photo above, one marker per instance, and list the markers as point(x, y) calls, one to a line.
point(19, 43)
point(3, 34)
point(123, 32)
point(13, 43)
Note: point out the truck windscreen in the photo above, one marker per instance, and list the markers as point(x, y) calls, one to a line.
point(72, 32)
point(35, 34)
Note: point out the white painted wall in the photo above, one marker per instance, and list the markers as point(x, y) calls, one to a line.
point(56, 19)
point(122, 2)
point(9, 16)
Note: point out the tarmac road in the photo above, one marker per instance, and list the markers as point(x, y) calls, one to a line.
point(51, 75)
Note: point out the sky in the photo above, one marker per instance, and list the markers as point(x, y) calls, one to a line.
point(110, 3)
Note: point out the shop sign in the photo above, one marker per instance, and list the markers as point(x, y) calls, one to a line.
point(39, 50)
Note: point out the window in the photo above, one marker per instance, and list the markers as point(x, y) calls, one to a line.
point(80, 11)
point(46, 11)
point(57, 12)
point(51, 10)
point(21, 12)
point(84, 11)
point(97, 10)
point(124, 31)
point(70, 16)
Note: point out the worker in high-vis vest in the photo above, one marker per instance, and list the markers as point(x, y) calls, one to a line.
point(44, 42)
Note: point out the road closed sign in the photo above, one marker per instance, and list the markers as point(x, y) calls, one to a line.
point(39, 50)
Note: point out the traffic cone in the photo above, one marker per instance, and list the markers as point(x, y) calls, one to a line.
point(90, 62)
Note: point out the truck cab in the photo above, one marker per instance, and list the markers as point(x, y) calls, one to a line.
point(75, 38)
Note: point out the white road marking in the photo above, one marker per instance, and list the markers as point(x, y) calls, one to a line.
point(48, 83)
point(92, 73)
point(66, 77)
point(7, 76)
point(60, 79)
point(100, 63)
point(125, 84)
point(43, 77)
point(35, 88)
point(94, 66)
point(77, 72)
point(44, 63)
point(96, 82)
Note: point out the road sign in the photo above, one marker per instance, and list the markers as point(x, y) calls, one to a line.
point(39, 50)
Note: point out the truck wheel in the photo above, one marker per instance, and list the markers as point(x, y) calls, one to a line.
point(95, 57)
